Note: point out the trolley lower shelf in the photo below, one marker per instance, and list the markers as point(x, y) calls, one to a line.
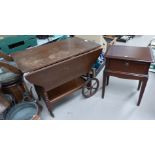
point(65, 89)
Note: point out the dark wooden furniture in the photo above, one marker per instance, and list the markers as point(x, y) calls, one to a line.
point(129, 63)
point(55, 69)
point(11, 78)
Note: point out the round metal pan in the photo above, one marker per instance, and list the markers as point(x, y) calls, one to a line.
point(22, 111)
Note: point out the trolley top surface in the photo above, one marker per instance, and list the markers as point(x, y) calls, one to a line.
point(49, 54)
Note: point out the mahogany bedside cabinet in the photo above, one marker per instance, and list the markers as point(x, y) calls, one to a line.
point(128, 62)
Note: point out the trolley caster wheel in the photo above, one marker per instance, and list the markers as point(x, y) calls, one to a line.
point(90, 87)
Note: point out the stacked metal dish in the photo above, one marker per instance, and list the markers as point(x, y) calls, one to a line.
point(26, 110)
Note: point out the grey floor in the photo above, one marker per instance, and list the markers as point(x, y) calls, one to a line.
point(119, 103)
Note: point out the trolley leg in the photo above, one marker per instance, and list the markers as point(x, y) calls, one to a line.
point(94, 72)
point(49, 107)
point(51, 113)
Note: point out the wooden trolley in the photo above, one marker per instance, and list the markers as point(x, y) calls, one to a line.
point(60, 68)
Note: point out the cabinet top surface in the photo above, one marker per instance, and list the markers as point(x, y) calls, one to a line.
point(143, 54)
point(39, 57)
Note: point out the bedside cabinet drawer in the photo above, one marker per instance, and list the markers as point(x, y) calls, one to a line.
point(127, 66)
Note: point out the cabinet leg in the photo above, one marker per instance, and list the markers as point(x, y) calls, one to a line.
point(139, 85)
point(144, 82)
point(107, 80)
point(104, 83)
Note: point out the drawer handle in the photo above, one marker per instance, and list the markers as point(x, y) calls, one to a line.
point(126, 64)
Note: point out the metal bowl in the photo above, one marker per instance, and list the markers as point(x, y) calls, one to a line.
point(22, 111)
